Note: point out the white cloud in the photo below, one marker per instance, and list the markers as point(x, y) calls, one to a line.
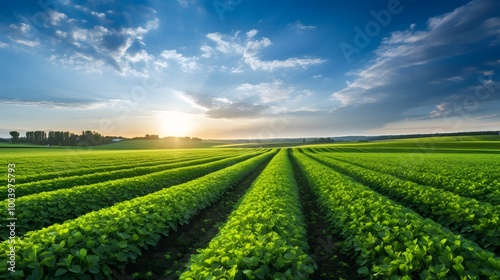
point(141, 56)
point(82, 8)
point(488, 73)
point(491, 116)
point(90, 45)
point(183, 3)
point(122, 50)
point(307, 109)
point(61, 34)
point(410, 51)
point(304, 94)
point(83, 105)
point(293, 62)
point(192, 100)
point(2, 45)
point(237, 70)
point(56, 17)
point(250, 49)
point(223, 45)
point(188, 64)
point(99, 15)
point(268, 92)
point(207, 51)
point(301, 27)
point(443, 109)
point(223, 100)
point(20, 28)
point(252, 33)
point(455, 79)
point(221, 107)
point(27, 42)
point(158, 65)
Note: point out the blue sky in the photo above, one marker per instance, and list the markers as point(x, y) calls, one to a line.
point(249, 69)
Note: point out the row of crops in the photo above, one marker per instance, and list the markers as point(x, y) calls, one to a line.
point(396, 217)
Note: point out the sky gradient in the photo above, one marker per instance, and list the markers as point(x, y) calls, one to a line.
point(249, 69)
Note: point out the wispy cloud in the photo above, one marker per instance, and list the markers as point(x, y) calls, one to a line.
point(222, 107)
point(207, 51)
point(183, 3)
point(299, 27)
point(64, 104)
point(249, 49)
point(434, 69)
point(27, 42)
point(252, 33)
point(268, 92)
point(56, 18)
point(99, 15)
point(20, 29)
point(417, 60)
point(491, 116)
point(71, 39)
point(188, 64)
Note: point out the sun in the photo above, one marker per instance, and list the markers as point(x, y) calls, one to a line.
point(176, 124)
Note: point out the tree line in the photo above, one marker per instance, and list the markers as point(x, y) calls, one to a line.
point(62, 138)
point(87, 138)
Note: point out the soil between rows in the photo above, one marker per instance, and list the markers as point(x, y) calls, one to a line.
point(324, 245)
point(170, 256)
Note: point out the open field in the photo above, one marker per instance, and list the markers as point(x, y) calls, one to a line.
point(423, 208)
point(157, 144)
point(460, 144)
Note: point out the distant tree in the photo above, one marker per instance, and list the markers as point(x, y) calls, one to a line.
point(30, 136)
point(39, 137)
point(66, 138)
point(303, 140)
point(15, 136)
point(92, 138)
point(323, 140)
point(51, 139)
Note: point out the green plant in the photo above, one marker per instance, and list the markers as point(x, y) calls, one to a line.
point(389, 240)
point(113, 236)
point(46, 208)
point(478, 221)
point(264, 238)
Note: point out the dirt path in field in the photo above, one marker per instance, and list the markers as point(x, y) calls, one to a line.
point(324, 245)
point(172, 253)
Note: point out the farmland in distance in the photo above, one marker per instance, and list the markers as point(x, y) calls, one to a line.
point(424, 208)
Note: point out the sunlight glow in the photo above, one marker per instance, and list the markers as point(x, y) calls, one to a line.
point(175, 124)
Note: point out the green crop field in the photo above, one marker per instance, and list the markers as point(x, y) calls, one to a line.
point(425, 208)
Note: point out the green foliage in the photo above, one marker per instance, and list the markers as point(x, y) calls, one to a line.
point(89, 178)
point(157, 144)
point(478, 221)
point(264, 238)
point(389, 240)
point(56, 163)
point(125, 201)
point(14, 135)
point(93, 243)
point(47, 208)
point(477, 176)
